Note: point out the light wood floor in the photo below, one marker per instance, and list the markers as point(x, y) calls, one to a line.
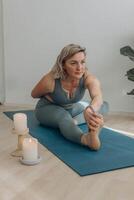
point(52, 179)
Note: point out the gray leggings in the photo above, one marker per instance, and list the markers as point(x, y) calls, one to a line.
point(52, 115)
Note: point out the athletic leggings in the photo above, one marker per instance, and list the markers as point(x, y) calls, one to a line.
point(52, 115)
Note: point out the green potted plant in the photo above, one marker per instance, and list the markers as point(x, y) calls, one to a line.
point(128, 51)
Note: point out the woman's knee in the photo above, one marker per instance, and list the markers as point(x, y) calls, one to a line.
point(104, 108)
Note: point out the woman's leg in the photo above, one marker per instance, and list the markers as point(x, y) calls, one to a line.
point(56, 116)
point(77, 113)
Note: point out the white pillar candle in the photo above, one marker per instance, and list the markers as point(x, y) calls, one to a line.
point(20, 122)
point(30, 149)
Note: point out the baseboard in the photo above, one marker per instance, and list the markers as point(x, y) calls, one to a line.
point(29, 106)
point(123, 113)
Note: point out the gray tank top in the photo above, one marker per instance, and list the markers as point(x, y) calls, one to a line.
point(60, 96)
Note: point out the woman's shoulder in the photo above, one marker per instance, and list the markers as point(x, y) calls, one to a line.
point(90, 78)
point(49, 75)
point(48, 81)
point(48, 78)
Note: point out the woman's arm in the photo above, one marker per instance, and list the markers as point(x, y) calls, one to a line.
point(93, 86)
point(93, 119)
point(44, 86)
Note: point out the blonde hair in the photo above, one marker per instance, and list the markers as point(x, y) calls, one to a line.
point(66, 53)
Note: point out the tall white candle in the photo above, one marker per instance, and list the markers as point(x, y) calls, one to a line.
point(20, 122)
point(30, 149)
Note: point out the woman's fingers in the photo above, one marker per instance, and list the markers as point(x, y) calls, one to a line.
point(97, 115)
point(95, 121)
point(92, 128)
point(94, 118)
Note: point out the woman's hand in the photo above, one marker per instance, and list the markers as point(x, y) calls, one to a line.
point(94, 120)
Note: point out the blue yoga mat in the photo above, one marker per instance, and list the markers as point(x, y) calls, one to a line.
point(117, 150)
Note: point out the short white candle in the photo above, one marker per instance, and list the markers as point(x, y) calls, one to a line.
point(30, 149)
point(20, 122)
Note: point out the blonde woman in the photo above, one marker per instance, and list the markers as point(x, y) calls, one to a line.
point(61, 90)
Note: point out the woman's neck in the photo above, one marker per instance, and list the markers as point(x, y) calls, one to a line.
point(72, 81)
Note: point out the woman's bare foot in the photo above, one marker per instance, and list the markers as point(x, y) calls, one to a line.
point(91, 139)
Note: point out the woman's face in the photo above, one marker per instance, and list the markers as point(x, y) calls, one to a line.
point(75, 66)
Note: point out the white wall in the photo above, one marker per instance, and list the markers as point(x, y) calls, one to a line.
point(35, 31)
point(2, 86)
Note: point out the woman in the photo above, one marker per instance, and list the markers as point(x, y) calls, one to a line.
point(60, 91)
